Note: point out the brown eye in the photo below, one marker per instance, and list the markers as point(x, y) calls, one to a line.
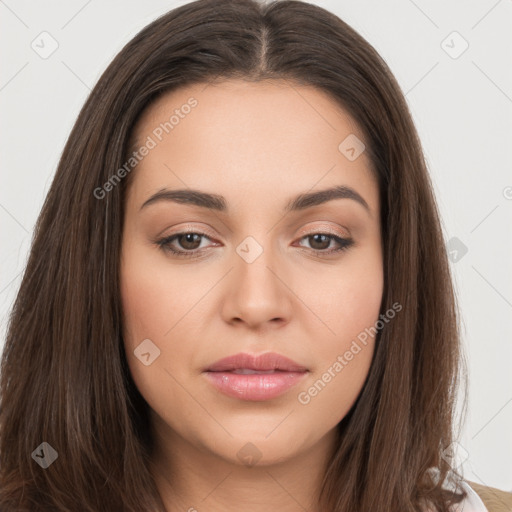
point(189, 241)
point(320, 242)
point(186, 243)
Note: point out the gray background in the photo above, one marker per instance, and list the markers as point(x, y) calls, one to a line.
point(461, 105)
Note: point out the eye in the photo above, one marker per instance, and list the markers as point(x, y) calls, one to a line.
point(321, 241)
point(190, 243)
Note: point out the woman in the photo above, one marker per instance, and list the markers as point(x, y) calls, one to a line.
point(237, 295)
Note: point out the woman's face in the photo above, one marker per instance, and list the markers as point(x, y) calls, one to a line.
point(262, 275)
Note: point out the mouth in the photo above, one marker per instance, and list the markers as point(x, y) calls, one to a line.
point(255, 378)
point(267, 362)
point(249, 371)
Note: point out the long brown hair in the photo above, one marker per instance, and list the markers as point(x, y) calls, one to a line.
point(65, 379)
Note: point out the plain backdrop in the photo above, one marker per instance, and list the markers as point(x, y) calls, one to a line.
point(453, 61)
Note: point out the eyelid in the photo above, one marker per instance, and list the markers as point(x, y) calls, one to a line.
point(313, 230)
point(188, 228)
point(328, 230)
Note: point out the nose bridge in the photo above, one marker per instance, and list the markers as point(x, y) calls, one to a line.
point(257, 293)
point(255, 258)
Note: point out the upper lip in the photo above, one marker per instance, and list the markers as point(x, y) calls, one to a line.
point(262, 362)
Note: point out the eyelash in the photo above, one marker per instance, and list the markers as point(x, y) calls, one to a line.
point(164, 244)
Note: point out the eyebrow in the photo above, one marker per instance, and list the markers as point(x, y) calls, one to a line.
point(218, 203)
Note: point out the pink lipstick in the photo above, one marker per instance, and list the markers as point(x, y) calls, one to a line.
point(255, 378)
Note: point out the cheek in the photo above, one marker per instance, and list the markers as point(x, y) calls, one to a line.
point(144, 306)
point(349, 308)
point(345, 298)
point(342, 366)
point(153, 298)
point(150, 309)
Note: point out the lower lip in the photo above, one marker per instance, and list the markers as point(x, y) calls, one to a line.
point(255, 386)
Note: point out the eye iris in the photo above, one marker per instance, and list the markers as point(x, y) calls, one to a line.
point(323, 246)
point(189, 242)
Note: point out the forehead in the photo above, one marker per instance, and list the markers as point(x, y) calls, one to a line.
point(270, 137)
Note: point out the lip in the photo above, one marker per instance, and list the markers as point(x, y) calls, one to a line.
point(281, 374)
point(262, 362)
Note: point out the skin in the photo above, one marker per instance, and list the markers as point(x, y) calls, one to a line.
point(258, 145)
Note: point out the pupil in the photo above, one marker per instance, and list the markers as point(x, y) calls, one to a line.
point(189, 239)
point(316, 239)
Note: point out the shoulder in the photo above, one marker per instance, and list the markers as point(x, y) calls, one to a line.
point(492, 499)
point(479, 498)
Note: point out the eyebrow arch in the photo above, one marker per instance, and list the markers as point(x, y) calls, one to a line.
point(218, 202)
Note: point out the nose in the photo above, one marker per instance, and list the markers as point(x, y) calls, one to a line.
point(256, 292)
